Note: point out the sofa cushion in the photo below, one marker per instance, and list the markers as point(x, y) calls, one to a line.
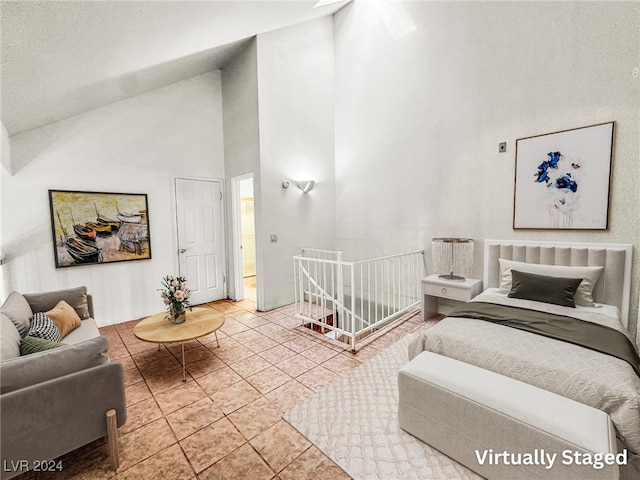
point(19, 312)
point(86, 331)
point(43, 327)
point(29, 345)
point(76, 297)
point(39, 367)
point(9, 339)
point(65, 317)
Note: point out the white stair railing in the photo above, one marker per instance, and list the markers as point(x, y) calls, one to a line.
point(353, 300)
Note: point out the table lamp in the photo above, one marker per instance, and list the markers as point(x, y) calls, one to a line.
point(452, 257)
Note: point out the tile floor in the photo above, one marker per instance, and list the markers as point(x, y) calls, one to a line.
point(225, 421)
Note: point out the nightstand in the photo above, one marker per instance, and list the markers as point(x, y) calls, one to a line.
point(434, 287)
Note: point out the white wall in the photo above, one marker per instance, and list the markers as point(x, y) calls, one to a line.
point(137, 145)
point(296, 98)
point(5, 161)
point(5, 151)
point(241, 137)
point(425, 91)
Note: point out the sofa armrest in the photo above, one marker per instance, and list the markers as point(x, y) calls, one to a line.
point(44, 421)
point(24, 371)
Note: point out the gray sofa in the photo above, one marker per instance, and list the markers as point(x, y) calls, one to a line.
point(55, 401)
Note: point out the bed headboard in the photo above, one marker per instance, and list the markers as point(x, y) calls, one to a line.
point(613, 286)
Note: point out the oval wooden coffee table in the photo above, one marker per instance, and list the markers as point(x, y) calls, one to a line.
point(159, 329)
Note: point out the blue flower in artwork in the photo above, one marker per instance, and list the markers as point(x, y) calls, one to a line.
point(543, 176)
point(566, 181)
point(554, 158)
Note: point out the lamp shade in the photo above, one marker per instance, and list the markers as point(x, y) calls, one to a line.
point(452, 257)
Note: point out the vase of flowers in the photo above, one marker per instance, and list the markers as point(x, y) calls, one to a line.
point(177, 313)
point(175, 294)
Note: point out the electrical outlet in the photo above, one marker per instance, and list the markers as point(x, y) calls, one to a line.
point(502, 147)
point(274, 237)
point(635, 72)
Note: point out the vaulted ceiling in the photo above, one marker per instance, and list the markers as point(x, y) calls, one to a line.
point(59, 59)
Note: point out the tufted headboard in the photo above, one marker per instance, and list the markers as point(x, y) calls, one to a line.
point(613, 286)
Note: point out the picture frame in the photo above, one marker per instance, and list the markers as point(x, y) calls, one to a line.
point(90, 228)
point(563, 179)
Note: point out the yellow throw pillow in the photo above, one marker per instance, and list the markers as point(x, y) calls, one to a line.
point(65, 317)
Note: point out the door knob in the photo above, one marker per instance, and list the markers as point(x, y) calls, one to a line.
point(182, 250)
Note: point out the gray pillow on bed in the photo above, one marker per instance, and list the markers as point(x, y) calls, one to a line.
point(589, 275)
point(542, 288)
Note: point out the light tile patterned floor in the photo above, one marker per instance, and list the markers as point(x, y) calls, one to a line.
point(225, 421)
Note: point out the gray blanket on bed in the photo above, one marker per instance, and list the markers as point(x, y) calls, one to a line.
point(560, 327)
point(601, 381)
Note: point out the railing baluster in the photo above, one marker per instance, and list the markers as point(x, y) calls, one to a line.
point(389, 294)
point(396, 287)
point(361, 299)
point(369, 291)
point(353, 310)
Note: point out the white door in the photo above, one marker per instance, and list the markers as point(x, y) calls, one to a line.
point(200, 238)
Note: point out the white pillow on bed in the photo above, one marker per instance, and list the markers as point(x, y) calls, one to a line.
point(584, 294)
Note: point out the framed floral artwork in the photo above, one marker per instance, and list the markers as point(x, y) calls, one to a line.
point(98, 227)
point(563, 179)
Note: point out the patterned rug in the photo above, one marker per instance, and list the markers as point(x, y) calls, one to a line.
point(354, 422)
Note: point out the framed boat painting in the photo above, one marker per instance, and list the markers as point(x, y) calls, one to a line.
point(97, 227)
point(563, 179)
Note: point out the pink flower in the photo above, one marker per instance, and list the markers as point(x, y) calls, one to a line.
point(166, 301)
point(179, 295)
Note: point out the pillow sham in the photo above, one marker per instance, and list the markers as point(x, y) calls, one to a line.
point(584, 294)
point(542, 288)
point(65, 317)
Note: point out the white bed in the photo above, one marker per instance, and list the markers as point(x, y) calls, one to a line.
point(613, 287)
point(587, 376)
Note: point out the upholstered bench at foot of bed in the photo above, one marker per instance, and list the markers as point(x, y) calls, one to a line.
point(480, 418)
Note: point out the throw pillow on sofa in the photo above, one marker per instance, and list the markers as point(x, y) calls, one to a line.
point(9, 339)
point(65, 317)
point(29, 345)
point(19, 311)
point(44, 327)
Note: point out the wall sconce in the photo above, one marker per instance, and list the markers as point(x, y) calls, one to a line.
point(305, 185)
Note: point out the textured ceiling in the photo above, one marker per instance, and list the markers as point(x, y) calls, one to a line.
point(59, 59)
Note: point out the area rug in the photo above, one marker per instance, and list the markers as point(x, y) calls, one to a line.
point(354, 422)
